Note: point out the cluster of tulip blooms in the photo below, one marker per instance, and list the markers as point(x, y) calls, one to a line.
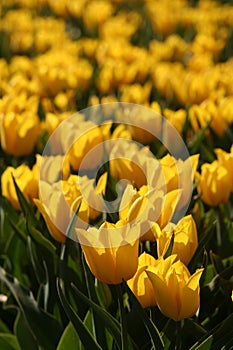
point(145, 211)
point(194, 93)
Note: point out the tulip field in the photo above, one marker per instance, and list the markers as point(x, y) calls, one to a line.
point(116, 165)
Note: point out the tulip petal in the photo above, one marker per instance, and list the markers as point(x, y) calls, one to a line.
point(165, 298)
point(191, 296)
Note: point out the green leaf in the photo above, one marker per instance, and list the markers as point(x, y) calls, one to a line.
point(153, 332)
point(3, 327)
point(17, 253)
point(69, 339)
point(25, 205)
point(8, 342)
point(221, 334)
point(217, 262)
point(103, 293)
point(97, 324)
point(16, 226)
point(39, 273)
point(43, 326)
point(197, 140)
point(169, 249)
point(108, 320)
point(205, 345)
point(85, 335)
point(24, 336)
point(205, 238)
point(72, 223)
point(39, 238)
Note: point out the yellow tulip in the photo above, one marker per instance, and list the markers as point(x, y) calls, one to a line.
point(176, 118)
point(103, 8)
point(226, 159)
point(140, 284)
point(26, 179)
point(19, 125)
point(171, 199)
point(107, 251)
point(128, 161)
point(148, 207)
point(179, 174)
point(82, 141)
point(53, 168)
point(214, 183)
point(58, 203)
point(92, 195)
point(141, 206)
point(185, 239)
point(145, 125)
point(176, 291)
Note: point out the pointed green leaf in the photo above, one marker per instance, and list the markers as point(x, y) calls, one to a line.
point(97, 324)
point(155, 336)
point(43, 326)
point(109, 322)
point(69, 339)
point(8, 342)
point(197, 140)
point(169, 249)
point(85, 335)
point(21, 233)
point(72, 223)
point(25, 205)
point(221, 334)
point(24, 336)
point(206, 344)
point(205, 238)
point(39, 238)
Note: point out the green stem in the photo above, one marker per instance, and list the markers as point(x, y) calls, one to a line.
point(218, 228)
point(178, 335)
point(124, 335)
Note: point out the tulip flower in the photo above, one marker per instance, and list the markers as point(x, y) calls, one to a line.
point(140, 284)
point(143, 207)
point(53, 168)
point(93, 195)
point(145, 125)
point(80, 140)
point(58, 203)
point(19, 125)
point(128, 161)
point(214, 183)
point(111, 251)
point(147, 207)
point(176, 291)
point(226, 159)
point(185, 239)
point(179, 174)
point(26, 179)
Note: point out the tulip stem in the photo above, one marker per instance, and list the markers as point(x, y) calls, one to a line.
point(124, 335)
point(218, 227)
point(178, 335)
